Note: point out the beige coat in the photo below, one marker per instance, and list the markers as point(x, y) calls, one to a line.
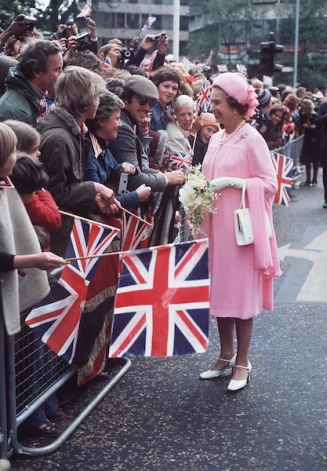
point(17, 237)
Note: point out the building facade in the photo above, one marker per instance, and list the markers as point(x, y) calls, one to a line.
point(126, 20)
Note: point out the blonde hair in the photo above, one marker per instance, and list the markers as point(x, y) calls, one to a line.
point(77, 88)
point(8, 142)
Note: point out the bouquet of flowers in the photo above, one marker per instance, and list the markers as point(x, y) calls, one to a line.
point(197, 198)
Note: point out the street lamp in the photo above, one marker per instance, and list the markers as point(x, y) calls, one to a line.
point(176, 29)
point(296, 42)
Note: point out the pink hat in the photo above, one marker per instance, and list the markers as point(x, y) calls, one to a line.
point(237, 87)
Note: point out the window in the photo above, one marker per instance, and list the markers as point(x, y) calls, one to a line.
point(184, 23)
point(167, 22)
point(260, 30)
point(264, 1)
point(120, 20)
point(133, 20)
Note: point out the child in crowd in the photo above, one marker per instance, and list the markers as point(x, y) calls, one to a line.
point(274, 132)
point(208, 129)
point(101, 165)
point(23, 279)
point(41, 207)
point(29, 180)
point(262, 118)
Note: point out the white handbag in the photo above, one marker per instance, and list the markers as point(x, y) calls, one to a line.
point(243, 224)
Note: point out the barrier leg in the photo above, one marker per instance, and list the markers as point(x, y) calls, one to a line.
point(4, 463)
point(16, 421)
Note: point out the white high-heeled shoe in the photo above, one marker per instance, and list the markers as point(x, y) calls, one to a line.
point(211, 374)
point(237, 384)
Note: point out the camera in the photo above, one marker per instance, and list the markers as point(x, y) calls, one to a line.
point(127, 53)
point(122, 186)
point(83, 41)
point(159, 36)
point(69, 24)
point(30, 22)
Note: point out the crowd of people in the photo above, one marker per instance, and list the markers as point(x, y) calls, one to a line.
point(80, 116)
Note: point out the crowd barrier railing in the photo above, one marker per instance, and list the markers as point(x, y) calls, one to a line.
point(30, 373)
point(293, 150)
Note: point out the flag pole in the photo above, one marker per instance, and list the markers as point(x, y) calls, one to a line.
point(135, 216)
point(107, 254)
point(106, 226)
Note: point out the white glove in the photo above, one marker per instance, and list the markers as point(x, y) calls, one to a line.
point(219, 183)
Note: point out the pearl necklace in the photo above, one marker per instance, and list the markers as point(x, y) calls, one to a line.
point(226, 137)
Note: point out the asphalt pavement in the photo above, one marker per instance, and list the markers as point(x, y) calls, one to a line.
point(161, 417)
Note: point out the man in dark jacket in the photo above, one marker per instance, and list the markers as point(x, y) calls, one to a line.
point(39, 65)
point(139, 95)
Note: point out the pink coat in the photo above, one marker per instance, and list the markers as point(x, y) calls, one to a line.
point(241, 277)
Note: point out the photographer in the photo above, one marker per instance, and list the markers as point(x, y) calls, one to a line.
point(21, 27)
point(146, 45)
point(71, 41)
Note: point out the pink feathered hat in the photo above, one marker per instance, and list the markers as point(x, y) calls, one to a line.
point(237, 87)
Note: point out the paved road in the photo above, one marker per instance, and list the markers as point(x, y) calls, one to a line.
point(160, 417)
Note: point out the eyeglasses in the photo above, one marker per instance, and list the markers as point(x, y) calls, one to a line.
point(143, 100)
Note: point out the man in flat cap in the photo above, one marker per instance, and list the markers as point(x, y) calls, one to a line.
point(139, 95)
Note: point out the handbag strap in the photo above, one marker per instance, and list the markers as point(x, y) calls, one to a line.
point(242, 205)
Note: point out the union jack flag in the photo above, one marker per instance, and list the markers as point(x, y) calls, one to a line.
point(242, 68)
point(106, 64)
point(162, 302)
point(6, 183)
point(222, 68)
point(180, 160)
point(149, 22)
point(203, 101)
point(135, 233)
point(283, 168)
point(86, 11)
point(57, 318)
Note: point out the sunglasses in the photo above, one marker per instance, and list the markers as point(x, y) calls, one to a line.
point(143, 100)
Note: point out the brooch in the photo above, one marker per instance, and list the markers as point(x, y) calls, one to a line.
point(243, 136)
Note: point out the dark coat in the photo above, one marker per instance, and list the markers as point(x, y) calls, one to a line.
point(311, 142)
point(321, 120)
point(128, 148)
point(63, 153)
point(20, 102)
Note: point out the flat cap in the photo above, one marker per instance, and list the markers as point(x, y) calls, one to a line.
point(141, 86)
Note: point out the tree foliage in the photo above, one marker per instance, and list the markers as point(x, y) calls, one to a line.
point(230, 21)
point(57, 11)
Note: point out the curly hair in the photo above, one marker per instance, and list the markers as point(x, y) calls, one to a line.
point(34, 57)
point(108, 102)
point(234, 104)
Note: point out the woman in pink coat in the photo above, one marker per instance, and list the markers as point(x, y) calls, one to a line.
point(241, 276)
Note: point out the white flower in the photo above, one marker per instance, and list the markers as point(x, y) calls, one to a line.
point(197, 197)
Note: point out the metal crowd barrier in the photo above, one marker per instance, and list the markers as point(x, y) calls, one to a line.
point(293, 150)
point(29, 374)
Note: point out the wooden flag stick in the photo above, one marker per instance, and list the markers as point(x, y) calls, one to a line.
point(107, 254)
point(195, 136)
point(106, 226)
point(137, 217)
